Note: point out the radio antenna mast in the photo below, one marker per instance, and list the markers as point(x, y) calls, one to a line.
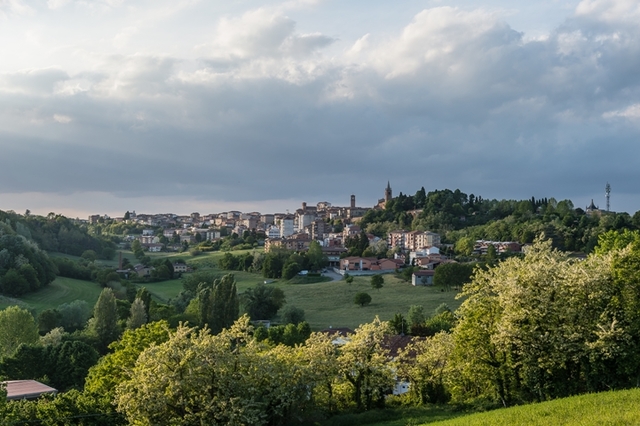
point(607, 193)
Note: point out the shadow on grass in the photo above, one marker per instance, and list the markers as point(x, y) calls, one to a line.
point(401, 416)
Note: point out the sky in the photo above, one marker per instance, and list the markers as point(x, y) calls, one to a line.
point(181, 106)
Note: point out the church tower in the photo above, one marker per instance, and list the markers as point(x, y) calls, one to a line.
point(387, 193)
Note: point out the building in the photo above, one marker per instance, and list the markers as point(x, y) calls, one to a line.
point(26, 389)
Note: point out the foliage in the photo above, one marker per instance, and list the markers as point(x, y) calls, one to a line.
point(63, 365)
point(292, 315)
point(363, 363)
point(544, 327)
point(23, 266)
point(138, 315)
point(362, 299)
point(104, 324)
point(262, 302)
point(227, 378)
point(218, 305)
point(17, 326)
point(377, 282)
point(425, 364)
point(112, 369)
point(453, 275)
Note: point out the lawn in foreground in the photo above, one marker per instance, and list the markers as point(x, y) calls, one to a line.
point(606, 408)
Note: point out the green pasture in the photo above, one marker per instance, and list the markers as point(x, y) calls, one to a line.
point(62, 290)
point(325, 303)
point(606, 408)
point(331, 303)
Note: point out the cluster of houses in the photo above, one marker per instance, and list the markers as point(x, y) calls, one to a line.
point(296, 230)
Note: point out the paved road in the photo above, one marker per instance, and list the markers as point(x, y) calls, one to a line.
point(334, 276)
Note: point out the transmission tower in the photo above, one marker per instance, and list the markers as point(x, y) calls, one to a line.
point(607, 193)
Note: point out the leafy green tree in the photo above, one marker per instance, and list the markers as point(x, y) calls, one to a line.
point(453, 275)
point(48, 320)
point(74, 315)
point(545, 326)
point(138, 315)
point(290, 270)
point(362, 299)
point(144, 295)
point(218, 303)
point(377, 282)
point(399, 324)
point(416, 315)
point(425, 363)
point(104, 324)
point(317, 259)
point(348, 278)
point(226, 378)
point(89, 255)
point(292, 315)
point(263, 302)
point(17, 326)
point(363, 363)
point(114, 368)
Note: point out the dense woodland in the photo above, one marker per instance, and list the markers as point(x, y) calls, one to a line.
point(531, 328)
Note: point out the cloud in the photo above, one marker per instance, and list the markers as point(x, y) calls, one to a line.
point(57, 4)
point(262, 33)
point(453, 98)
point(62, 119)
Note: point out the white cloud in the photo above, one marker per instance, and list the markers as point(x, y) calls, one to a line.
point(632, 113)
point(57, 4)
point(62, 119)
point(610, 10)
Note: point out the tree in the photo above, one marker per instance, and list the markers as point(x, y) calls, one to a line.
point(317, 259)
point(546, 326)
point(218, 305)
point(348, 278)
point(453, 275)
point(290, 270)
point(114, 368)
point(363, 363)
point(228, 378)
point(104, 324)
point(292, 315)
point(362, 299)
point(377, 282)
point(425, 363)
point(263, 302)
point(399, 324)
point(17, 326)
point(138, 316)
point(416, 315)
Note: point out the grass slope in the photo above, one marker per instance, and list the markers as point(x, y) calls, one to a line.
point(607, 408)
point(62, 290)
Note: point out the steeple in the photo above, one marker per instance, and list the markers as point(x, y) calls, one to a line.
point(387, 193)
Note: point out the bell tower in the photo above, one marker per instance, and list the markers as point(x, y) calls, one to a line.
point(387, 193)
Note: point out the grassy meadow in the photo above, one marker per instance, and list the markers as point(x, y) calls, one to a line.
point(61, 290)
point(606, 408)
point(325, 303)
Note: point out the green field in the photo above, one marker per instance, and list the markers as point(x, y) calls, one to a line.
point(331, 304)
point(326, 304)
point(62, 290)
